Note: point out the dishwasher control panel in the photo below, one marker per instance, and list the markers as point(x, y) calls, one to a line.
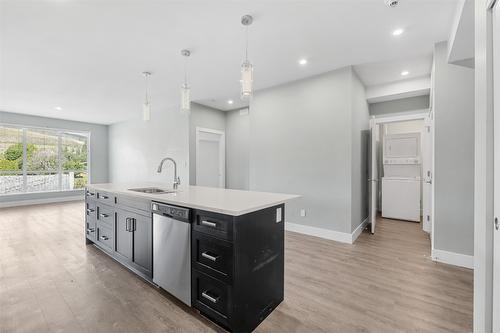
point(178, 213)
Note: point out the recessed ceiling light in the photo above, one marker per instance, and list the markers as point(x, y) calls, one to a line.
point(398, 32)
point(404, 73)
point(58, 108)
point(230, 101)
point(302, 62)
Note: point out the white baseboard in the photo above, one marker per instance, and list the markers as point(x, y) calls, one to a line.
point(338, 236)
point(40, 201)
point(453, 258)
point(355, 234)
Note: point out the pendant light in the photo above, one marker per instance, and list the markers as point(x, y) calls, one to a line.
point(146, 107)
point(247, 67)
point(185, 89)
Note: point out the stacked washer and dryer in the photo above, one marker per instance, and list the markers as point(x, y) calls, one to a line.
point(401, 182)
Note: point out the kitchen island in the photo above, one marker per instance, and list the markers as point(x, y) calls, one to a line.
point(220, 251)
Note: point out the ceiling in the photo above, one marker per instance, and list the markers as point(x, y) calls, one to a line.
point(373, 74)
point(86, 56)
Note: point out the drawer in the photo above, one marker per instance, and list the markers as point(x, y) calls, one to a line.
point(211, 296)
point(212, 256)
point(90, 193)
point(105, 215)
point(217, 225)
point(90, 209)
point(104, 236)
point(90, 228)
point(105, 198)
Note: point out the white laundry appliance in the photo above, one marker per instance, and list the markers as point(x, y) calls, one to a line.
point(401, 183)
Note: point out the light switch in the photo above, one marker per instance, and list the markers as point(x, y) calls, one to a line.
point(303, 212)
point(278, 215)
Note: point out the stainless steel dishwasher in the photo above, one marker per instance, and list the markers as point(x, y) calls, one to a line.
point(172, 250)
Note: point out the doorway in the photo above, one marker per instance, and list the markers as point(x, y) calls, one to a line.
point(401, 169)
point(210, 157)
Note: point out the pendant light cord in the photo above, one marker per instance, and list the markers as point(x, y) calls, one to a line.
point(246, 45)
point(185, 72)
point(147, 88)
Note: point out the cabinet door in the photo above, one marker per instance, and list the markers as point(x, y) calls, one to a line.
point(123, 247)
point(143, 244)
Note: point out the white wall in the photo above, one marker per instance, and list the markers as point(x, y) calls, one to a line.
point(202, 116)
point(237, 149)
point(454, 155)
point(301, 141)
point(98, 149)
point(400, 105)
point(137, 147)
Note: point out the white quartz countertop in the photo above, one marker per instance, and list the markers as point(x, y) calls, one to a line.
point(225, 201)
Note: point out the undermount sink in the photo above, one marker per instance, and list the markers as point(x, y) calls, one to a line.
point(151, 190)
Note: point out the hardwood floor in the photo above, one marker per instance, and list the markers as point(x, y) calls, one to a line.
point(51, 282)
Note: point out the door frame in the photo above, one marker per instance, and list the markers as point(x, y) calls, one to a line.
point(222, 155)
point(494, 9)
point(422, 114)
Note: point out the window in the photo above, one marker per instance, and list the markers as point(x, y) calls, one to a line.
point(42, 160)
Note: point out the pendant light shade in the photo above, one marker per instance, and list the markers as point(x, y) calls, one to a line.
point(246, 80)
point(185, 98)
point(185, 89)
point(146, 107)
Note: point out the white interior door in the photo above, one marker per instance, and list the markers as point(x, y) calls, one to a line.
point(496, 194)
point(427, 172)
point(373, 175)
point(210, 157)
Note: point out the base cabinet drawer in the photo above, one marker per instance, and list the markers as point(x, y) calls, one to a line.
point(217, 225)
point(105, 215)
point(90, 228)
point(212, 297)
point(104, 236)
point(212, 256)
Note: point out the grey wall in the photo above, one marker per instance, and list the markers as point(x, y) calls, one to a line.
point(202, 116)
point(454, 155)
point(300, 135)
point(360, 135)
point(400, 105)
point(136, 147)
point(237, 149)
point(98, 149)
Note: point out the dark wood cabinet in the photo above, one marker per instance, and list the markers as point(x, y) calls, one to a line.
point(238, 266)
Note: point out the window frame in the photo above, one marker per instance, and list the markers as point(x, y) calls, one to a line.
point(59, 131)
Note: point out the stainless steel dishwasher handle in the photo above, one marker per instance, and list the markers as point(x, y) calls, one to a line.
point(209, 257)
point(210, 298)
point(209, 224)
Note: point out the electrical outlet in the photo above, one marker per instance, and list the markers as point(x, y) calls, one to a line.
point(303, 212)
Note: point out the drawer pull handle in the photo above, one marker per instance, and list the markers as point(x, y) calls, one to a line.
point(209, 256)
point(209, 224)
point(210, 298)
point(90, 230)
point(104, 196)
point(90, 210)
point(103, 215)
point(104, 238)
point(90, 194)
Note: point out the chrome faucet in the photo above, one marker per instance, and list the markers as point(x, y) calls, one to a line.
point(177, 180)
